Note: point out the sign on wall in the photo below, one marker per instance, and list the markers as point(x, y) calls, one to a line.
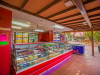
point(3, 39)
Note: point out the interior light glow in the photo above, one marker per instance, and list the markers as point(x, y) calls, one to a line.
point(69, 3)
point(57, 26)
point(38, 30)
point(20, 24)
point(85, 23)
point(16, 27)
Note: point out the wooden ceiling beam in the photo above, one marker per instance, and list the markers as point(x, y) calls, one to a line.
point(94, 19)
point(94, 9)
point(48, 6)
point(74, 23)
point(69, 9)
point(23, 5)
point(81, 8)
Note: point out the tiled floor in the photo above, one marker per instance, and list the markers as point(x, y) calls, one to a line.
point(81, 64)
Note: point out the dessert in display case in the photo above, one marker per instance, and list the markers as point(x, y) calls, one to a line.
point(27, 56)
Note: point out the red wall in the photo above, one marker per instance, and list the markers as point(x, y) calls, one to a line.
point(5, 51)
point(51, 35)
point(48, 36)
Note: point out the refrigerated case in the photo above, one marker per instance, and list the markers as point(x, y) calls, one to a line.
point(27, 56)
point(33, 38)
point(20, 37)
point(25, 37)
point(56, 36)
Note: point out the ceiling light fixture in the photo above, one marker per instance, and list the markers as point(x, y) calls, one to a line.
point(16, 27)
point(20, 24)
point(57, 26)
point(69, 3)
point(85, 23)
point(38, 30)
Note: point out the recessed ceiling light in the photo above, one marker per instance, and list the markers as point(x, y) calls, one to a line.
point(69, 3)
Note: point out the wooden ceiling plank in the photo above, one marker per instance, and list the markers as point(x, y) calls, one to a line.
point(25, 11)
point(48, 6)
point(94, 9)
point(23, 5)
point(81, 18)
point(69, 9)
point(72, 20)
point(95, 22)
point(61, 12)
point(81, 8)
point(78, 14)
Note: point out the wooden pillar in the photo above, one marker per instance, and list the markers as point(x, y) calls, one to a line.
point(92, 42)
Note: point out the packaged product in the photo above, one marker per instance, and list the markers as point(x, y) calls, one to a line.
point(26, 58)
point(20, 60)
point(30, 57)
point(19, 53)
point(28, 64)
point(32, 63)
point(35, 56)
point(35, 61)
point(21, 66)
point(50, 56)
point(18, 67)
point(35, 51)
point(39, 55)
point(24, 65)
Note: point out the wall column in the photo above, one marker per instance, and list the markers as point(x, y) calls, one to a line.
point(92, 41)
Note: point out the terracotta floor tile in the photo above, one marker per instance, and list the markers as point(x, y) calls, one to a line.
point(81, 64)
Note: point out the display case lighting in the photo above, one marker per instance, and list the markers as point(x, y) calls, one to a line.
point(20, 24)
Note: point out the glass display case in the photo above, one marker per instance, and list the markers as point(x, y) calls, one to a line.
point(30, 55)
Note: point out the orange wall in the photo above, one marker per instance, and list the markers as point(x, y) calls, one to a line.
point(5, 50)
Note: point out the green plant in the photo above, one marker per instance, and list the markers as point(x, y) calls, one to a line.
point(96, 35)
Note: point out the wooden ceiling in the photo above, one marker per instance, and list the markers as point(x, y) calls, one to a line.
point(56, 11)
